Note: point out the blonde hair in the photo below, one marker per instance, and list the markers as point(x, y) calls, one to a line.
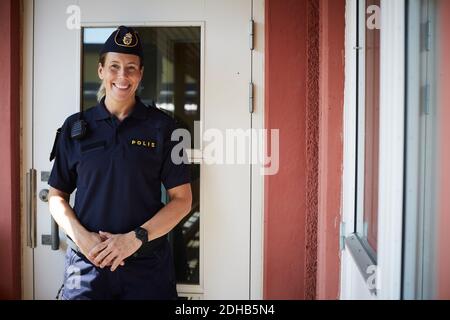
point(101, 92)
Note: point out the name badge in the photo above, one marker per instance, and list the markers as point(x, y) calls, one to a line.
point(143, 143)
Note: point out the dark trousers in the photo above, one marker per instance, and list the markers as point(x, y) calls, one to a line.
point(145, 277)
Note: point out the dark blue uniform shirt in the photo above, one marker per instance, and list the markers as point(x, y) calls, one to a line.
point(118, 167)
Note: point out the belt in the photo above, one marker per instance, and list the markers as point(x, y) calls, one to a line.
point(144, 251)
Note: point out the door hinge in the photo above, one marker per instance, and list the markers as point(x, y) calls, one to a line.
point(251, 30)
point(250, 97)
point(342, 236)
point(426, 99)
point(426, 35)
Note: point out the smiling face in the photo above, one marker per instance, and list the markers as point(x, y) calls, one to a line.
point(121, 74)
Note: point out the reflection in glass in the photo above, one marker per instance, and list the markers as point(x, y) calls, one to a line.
point(372, 125)
point(186, 237)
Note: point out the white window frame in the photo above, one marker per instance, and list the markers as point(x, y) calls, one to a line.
point(391, 153)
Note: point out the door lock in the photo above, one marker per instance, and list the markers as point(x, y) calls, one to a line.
point(43, 195)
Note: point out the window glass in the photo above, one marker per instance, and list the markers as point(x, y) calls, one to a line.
point(171, 82)
point(368, 114)
point(372, 128)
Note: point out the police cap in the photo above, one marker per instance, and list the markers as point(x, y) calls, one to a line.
point(124, 40)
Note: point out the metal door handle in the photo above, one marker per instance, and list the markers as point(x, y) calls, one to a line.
point(31, 208)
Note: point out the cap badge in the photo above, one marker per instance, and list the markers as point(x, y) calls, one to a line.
point(127, 39)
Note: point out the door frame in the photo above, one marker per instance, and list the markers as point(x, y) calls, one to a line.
point(256, 181)
point(27, 141)
point(391, 157)
point(195, 290)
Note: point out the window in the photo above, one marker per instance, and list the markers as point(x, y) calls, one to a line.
point(368, 114)
point(374, 150)
point(171, 82)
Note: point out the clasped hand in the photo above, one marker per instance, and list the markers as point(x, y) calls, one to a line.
point(113, 249)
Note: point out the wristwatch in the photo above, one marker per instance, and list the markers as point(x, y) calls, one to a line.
point(141, 234)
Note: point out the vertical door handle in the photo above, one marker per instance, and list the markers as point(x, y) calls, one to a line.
point(31, 208)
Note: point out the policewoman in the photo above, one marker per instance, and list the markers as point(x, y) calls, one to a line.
point(116, 155)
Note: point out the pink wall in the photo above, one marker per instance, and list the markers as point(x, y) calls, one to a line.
point(331, 145)
point(444, 117)
point(304, 97)
point(285, 104)
point(9, 155)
